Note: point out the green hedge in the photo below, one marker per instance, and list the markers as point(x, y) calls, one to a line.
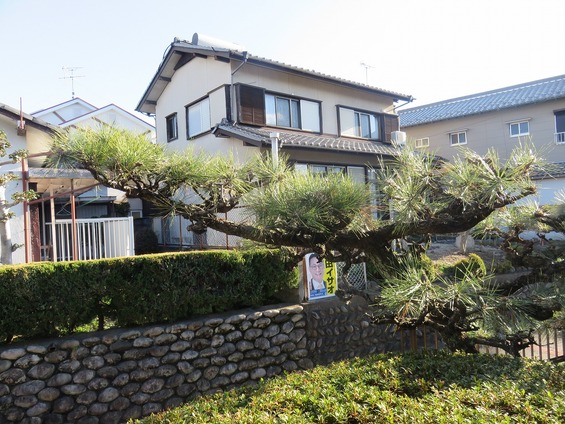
point(47, 298)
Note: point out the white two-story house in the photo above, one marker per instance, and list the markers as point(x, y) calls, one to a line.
point(215, 97)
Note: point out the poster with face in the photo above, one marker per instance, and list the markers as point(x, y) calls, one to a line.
point(321, 277)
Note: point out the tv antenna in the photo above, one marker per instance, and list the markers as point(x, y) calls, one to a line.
point(69, 73)
point(363, 64)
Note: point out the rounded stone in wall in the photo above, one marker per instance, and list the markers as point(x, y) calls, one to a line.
point(42, 371)
point(120, 403)
point(289, 366)
point(224, 328)
point(203, 385)
point(149, 363)
point(14, 414)
point(217, 340)
point(87, 398)
point(187, 335)
point(112, 358)
point(130, 388)
point(210, 372)
point(108, 395)
point(244, 345)
point(151, 408)
point(165, 339)
point(126, 366)
point(201, 362)
point(140, 398)
point(93, 362)
point(63, 404)
point(13, 354)
point(235, 319)
point(257, 373)
point(56, 356)
point(162, 395)
point(271, 331)
point(171, 358)
point(273, 370)
point(26, 361)
point(25, 401)
point(141, 375)
point(174, 381)
point(77, 413)
point(98, 383)
point(204, 332)
point(98, 409)
point(73, 389)
point(236, 357)
point(59, 379)
point(110, 417)
point(108, 372)
point(100, 349)
point(239, 377)
point(185, 390)
point(165, 371)
point(38, 409)
point(273, 351)
point(132, 413)
point(152, 385)
point(226, 349)
point(143, 342)
point(199, 344)
point(84, 376)
point(28, 388)
point(234, 336)
point(180, 346)
point(193, 376)
point(158, 351)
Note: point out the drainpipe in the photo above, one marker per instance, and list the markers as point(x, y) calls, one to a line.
point(74, 222)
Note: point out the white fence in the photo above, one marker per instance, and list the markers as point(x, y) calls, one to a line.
point(96, 238)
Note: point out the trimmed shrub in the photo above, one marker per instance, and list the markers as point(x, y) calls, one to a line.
point(473, 264)
point(44, 299)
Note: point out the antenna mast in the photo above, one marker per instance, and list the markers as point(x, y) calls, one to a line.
point(69, 73)
point(366, 71)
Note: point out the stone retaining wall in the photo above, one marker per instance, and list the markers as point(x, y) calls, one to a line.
point(115, 375)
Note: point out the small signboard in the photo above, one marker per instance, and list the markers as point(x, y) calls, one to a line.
point(320, 277)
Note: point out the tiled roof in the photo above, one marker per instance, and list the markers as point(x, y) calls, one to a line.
point(261, 137)
point(180, 48)
point(517, 95)
point(549, 171)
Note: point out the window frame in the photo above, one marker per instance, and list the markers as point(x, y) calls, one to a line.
point(519, 124)
point(173, 117)
point(357, 113)
point(204, 129)
point(298, 122)
point(420, 144)
point(458, 134)
point(559, 120)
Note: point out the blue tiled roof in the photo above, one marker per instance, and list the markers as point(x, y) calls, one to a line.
point(517, 95)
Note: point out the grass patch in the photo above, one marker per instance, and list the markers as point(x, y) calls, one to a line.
point(410, 388)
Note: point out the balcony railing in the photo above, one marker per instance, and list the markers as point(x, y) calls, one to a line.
point(560, 138)
point(96, 238)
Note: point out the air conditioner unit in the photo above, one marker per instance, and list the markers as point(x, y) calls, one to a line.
point(398, 138)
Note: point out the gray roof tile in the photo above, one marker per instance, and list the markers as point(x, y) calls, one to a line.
point(517, 95)
point(261, 137)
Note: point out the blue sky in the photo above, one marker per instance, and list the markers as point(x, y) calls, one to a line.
point(431, 49)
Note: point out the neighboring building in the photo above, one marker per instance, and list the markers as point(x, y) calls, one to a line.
point(83, 210)
point(498, 119)
point(215, 97)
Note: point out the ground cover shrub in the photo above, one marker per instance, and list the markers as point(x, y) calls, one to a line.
point(410, 388)
point(46, 299)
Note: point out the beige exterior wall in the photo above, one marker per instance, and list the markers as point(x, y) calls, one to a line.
point(492, 130)
point(329, 94)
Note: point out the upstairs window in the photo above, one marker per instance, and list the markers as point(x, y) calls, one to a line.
point(355, 123)
point(422, 142)
point(292, 113)
point(458, 138)
point(172, 127)
point(198, 118)
point(256, 107)
point(560, 127)
point(518, 129)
